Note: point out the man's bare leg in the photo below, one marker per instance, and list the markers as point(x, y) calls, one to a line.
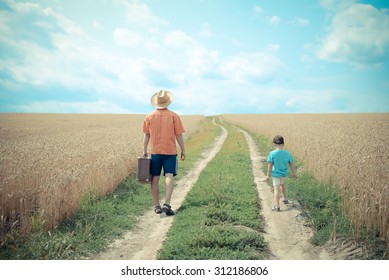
point(169, 187)
point(155, 189)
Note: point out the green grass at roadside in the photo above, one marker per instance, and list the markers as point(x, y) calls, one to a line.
point(219, 218)
point(99, 220)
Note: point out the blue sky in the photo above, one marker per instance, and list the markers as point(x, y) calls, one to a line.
point(215, 56)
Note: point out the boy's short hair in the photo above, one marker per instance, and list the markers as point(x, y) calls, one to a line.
point(278, 139)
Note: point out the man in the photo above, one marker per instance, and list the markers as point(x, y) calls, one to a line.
point(162, 128)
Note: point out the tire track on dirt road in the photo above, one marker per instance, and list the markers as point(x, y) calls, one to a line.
point(146, 239)
point(285, 232)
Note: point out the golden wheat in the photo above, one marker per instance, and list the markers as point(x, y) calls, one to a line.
point(349, 150)
point(49, 161)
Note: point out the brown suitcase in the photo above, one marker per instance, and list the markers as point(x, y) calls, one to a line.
point(143, 175)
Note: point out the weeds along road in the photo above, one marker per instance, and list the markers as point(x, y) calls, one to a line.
point(284, 231)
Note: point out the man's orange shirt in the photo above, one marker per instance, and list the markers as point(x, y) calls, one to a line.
point(163, 126)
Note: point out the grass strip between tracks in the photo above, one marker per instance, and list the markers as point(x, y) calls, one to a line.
point(219, 218)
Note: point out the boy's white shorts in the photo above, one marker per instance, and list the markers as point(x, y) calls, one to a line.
point(278, 181)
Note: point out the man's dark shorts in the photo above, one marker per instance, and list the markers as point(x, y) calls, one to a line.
point(167, 162)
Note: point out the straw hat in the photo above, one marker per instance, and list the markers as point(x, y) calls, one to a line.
point(161, 99)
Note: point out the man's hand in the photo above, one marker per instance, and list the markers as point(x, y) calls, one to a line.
point(183, 155)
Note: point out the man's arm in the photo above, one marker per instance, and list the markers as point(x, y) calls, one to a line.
point(146, 140)
point(180, 141)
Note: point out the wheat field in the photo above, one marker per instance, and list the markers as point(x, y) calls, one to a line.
point(348, 150)
point(49, 161)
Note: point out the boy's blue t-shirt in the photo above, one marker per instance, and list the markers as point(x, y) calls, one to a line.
point(280, 160)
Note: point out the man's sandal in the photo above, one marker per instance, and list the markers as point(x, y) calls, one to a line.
point(158, 209)
point(168, 210)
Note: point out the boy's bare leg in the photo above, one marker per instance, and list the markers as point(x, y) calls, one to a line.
point(169, 187)
point(155, 189)
point(276, 196)
point(283, 191)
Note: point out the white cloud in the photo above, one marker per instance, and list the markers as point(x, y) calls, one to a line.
point(273, 47)
point(258, 10)
point(299, 21)
point(140, 13)
point(201, 61)
point(205, 31)
point(24, 16)
point(95, 107)
point(274, 20)
point(236, 43)
point(96, 24)
point(248, 66)
point(23, 8)
point(291, 102)
point(309, 101)
point(190, 59)
point(179, 39)
point(127, 38)
point(358, 35)
point(336, 5)
point(302, 21)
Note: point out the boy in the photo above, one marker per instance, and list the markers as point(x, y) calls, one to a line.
point(278, 162)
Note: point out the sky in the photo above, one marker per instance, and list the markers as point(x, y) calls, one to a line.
point(215, 56)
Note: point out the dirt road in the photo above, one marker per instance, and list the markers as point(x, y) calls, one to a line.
point(285, 231)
